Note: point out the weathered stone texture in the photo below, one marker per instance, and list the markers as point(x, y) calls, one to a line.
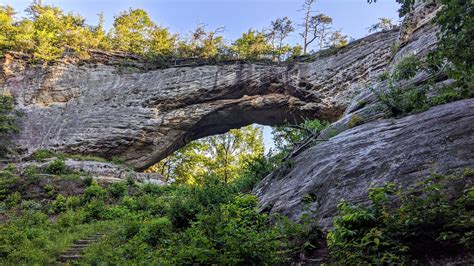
point(405, 150)
point(95, 108)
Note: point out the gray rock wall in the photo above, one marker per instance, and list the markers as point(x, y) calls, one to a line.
point(406, 150)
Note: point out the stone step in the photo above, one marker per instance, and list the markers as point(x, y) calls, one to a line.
point(72, 252)
point(76, 250)
point(84, 241)
point(65, 258)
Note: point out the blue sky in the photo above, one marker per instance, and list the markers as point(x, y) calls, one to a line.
point(353, 17)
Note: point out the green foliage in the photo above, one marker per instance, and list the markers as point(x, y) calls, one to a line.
point(94, 191)
point(13, 200)
point(60, 204)
point(134, 32)
point(57, 167)
point(455, 40)
point(406, 68)
point(49, 190)
point(117, 190)
point(287, 137)
point(223, 155)
point(404, 101)
point(252, 45)
point(253, 171)
point(7, 119)
point(355, 120)
point(402, 226)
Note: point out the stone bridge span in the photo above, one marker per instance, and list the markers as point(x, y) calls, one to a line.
point(101, 108)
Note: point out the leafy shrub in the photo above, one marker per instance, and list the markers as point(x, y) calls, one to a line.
point(13, 200)
point(253, 171)
point(42, 154)
point(94, 210)
point(49, 190)
point(56, 167)
point(30, 205)
point(156, 231)
point(71, 218)
point(406, 68)
point(117, 190)
point(60, 204)
point(31, 172)
point(94, 191)
point(8, 183)
point(7, 124)
point(405, 101)
point(403, 225)
point(183, 210)
point(73, 202)
point(235, 234)
point(87, 181)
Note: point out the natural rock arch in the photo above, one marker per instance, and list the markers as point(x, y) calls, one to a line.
point(142, 116)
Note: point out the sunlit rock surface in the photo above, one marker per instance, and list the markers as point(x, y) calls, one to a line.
point(100, 107)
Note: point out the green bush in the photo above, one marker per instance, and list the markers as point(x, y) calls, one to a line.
point(404, 226)
point(405, 101)
point(60, 204)
point(13, 200)
point(235, 234)
point(406, 68)
point(31, 172)
point(7, 123)
point(56, 167)
point(30, 205)
point(42, 154)
point(49, 190)
point(117, 190)
point(94, 191)
point(156, 231)
point(94, 210)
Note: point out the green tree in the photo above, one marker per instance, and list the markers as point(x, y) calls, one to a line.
point(6, 28)
point(288, 137)
point(202, 43)
point(100, 39)
point(456, 41)
point(184, 165)
point(279, 30)
point(317, 28)
point(228, 152)
point(383, 24)
point(337, 39)
point(131, 31)
point(252, 45)
point(7, 124)
point(224, 155)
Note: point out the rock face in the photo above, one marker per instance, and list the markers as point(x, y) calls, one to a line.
point(407, 150)
point(113, 106)
point(143, 116)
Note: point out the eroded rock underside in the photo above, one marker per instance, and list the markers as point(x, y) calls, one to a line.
point(106, 108)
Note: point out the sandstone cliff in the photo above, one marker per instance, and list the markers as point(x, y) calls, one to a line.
point(113, 105)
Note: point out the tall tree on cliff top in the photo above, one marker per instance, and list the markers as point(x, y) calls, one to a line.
point(202, 43)
point(252, 45)
point(279, 30)
point(307, 10)
point(131, 31)
point(315, 27)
